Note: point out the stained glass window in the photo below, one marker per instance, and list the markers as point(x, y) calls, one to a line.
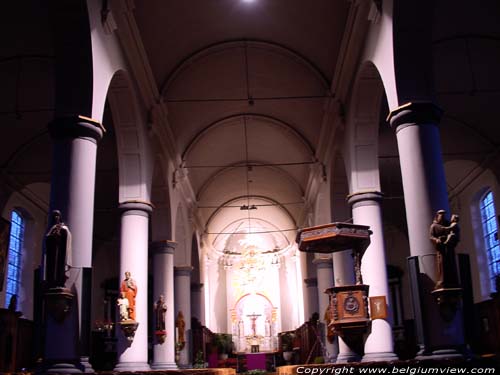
point(490, 233)
point(15, 249)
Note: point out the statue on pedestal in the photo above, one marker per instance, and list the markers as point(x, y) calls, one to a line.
point(445, 237)
point(58, 252)
point(180, 325)
point(129, 289)
point(160, 309)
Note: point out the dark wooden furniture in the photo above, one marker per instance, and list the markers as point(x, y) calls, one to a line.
point(16, 341)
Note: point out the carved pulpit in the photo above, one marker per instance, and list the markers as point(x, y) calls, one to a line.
point(347, 313)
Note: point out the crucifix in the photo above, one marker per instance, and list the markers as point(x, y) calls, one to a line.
point(253, 317)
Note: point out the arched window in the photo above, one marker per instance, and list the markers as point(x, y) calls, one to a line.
point(15, 252)
point(490, 235)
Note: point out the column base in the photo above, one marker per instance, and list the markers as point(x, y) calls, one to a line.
point(63, 368)
point(87, 367)
point(379, 357)
point(132, 366)
point(347, 358)
point(164, 366)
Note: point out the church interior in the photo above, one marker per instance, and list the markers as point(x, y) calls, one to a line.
point(171, 171)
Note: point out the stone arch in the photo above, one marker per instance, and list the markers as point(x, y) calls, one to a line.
point(361, 138)
point(135, 165)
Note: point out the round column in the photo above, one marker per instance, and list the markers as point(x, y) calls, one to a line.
point(163, 261)
point(311, 297)
point(133, 356)
point(75, 141)
point(324, 272)
point(197, 300)
point(422, 170)
point(424, 186)
point(343, 269)
point(366, 210)
point(183, 303)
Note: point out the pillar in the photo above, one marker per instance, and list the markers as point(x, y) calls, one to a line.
point(75, 141)
point(133, 356)
point(343, 269)
point(311, 294)
point(366, 210)
point(424, 186)
point(197, 301)
point(183, 303)
point(163, 261)
point(324, 272)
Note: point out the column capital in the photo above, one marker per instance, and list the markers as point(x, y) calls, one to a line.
point(183, 270)
point(163, 247)
point(76, 127)
point(414, 113)
point(311, 282)
point(364, 198)
point(323, 262)
point(135, 207)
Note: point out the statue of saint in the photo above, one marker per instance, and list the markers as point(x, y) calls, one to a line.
point(445, 237)
point(180, 324)
point(57, 251)
point(160, 309)
point(129, 288)
point(123, 305)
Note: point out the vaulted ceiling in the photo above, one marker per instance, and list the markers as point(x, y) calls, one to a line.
point(245, 83)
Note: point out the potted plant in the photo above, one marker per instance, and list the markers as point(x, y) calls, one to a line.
point(199, 360)
point(287, 339)
point(224, 344)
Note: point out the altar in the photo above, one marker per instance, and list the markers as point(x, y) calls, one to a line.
point(254, 325)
